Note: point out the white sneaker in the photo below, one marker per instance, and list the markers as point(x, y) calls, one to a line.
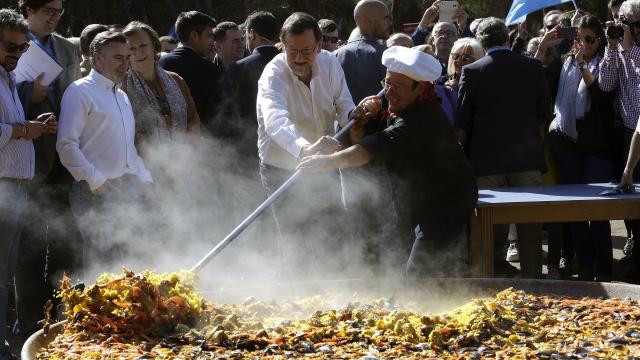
point(512, 253)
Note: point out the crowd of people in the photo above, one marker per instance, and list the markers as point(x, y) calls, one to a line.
point(133, 116)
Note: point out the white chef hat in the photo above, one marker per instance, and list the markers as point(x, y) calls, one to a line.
point(413, 63)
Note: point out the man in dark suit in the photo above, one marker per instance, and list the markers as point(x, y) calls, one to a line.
point(503, 101)
point(261, 32)
point(195, 30)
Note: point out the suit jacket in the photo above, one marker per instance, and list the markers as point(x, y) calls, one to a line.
point(67, 55)
point(242, 80)
point(203, 79)
point(503, 100)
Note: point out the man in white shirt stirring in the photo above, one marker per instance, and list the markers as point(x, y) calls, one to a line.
point(96, 145)
point(17, 156)
point(300, 94)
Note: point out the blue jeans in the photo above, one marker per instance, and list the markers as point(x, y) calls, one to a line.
point(13, 204)
point(591, 240)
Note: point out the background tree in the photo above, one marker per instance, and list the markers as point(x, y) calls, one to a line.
point(161, 14)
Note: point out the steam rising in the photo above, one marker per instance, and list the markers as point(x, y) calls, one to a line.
point(202, 193)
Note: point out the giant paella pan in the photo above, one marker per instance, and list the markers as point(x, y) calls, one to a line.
point(149, 316)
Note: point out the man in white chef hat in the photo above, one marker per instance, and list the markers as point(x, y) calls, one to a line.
point(433, 184)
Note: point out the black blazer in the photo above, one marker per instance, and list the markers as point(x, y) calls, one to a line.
point(244, 75)
point(202, 77)
point(504, 99)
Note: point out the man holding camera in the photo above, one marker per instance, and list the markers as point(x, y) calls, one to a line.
point(620, 69)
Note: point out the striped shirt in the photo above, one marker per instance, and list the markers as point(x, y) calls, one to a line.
point(17, 156)
point(620, 69)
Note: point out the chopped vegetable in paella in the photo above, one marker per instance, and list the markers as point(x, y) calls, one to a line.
point(149, 316)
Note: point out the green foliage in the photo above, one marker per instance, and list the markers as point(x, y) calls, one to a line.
point(161, 14)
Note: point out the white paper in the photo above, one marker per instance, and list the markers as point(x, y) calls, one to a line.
point(35, 62)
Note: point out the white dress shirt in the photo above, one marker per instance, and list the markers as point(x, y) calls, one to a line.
point(292, 115)
point(96, 132)
point(17, 156)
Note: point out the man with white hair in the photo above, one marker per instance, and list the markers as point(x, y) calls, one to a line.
point(434, 187)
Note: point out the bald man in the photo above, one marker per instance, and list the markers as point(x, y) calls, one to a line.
point(361, 57)
point(367, 190)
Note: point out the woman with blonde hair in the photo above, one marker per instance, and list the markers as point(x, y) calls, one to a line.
point(464, 52)
point(162, 104)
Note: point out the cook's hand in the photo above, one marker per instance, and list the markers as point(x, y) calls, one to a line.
point(38, 91)
point(368, 108)
point(50, 121)
point(324, 145)
point(316, 163)
point(460, 17)
point(103, 189)
point(430, 15)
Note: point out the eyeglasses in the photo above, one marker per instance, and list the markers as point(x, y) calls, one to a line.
point(304, 52)
point(14, 48)
point(398, 88)
point(550, 27)
point(54, 11)
point(463, 57)
point(447, 33)
point(589, 40)
point(165, 109)
point(330, 39)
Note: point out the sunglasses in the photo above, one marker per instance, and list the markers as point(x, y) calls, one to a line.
point(463, 57)
point(53, 11)
point(14, 48)
point(589, 40)
point(447, 33)
point(330, 39)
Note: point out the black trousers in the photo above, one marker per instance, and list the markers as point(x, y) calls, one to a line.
point(50, 246)
point(440, 247)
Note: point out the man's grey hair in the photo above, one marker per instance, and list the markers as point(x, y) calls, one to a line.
point(630, 8)
point(102, 41)
point(474, 25)
point(400, 37)
point(12, 20)
point(492, 32)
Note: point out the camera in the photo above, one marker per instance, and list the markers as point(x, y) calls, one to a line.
point(616, 31)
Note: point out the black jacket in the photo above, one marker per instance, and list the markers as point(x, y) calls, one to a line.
point(244, 75)
point(202, 77)
point(504, 99)
point(242, 84)
point(428, 168)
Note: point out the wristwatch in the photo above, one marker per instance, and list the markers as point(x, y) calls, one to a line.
point(582, 66)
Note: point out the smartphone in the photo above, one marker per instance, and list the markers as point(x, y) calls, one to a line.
point(567, 33)
point(447, 10)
